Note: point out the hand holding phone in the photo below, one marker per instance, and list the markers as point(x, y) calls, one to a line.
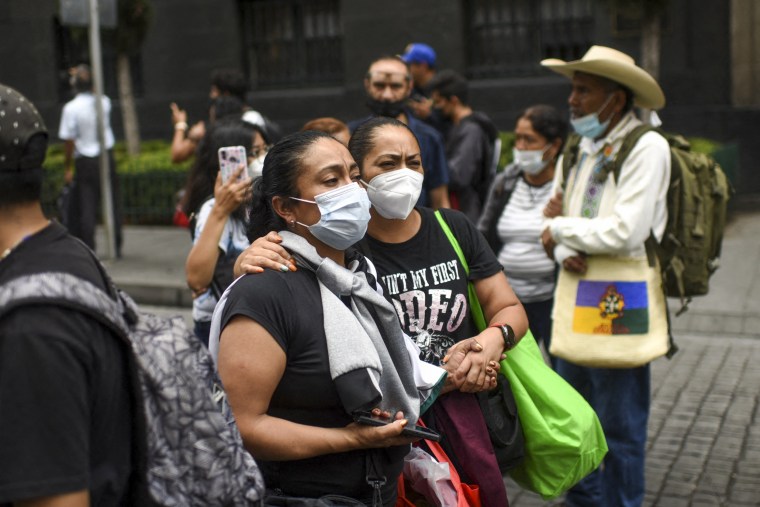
point(367, 418)
point(230, 160)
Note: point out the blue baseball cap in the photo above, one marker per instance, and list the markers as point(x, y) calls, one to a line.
point(419, 53)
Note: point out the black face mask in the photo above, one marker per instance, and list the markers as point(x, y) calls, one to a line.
point(383, 108)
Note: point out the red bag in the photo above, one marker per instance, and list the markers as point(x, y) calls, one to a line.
point(467, 495)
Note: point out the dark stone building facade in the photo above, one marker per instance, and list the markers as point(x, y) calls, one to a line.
point(307, 58)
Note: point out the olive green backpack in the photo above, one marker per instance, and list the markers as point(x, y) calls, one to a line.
point(689, 252)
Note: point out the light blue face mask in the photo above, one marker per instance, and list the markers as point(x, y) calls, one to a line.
point(589, 125)
point(344, 216)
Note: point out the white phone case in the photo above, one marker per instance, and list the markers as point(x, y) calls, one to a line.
point(230, 158)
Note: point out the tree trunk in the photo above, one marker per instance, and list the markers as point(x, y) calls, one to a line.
point(651, 45)
point(128, 109)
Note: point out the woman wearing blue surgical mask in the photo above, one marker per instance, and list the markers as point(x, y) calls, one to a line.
point(300, 352)
point(422, 277)
point(513, 214)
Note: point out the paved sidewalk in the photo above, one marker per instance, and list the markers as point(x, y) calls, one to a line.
point(704, 443)
point(704, 440)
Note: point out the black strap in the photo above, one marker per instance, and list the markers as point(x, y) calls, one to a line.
point(374, 478)
point(569, 157)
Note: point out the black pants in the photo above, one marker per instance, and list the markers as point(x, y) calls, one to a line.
point(540, 320)
point(85, 201)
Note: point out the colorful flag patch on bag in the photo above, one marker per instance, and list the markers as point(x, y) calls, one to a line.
point(608, 307)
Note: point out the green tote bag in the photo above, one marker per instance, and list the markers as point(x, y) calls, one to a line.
point(564, 441)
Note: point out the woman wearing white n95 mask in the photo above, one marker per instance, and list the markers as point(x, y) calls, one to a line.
point(421, 276)
point(393, 194)
point(512, 218)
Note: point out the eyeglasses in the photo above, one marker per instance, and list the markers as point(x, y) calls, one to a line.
point(257, 151)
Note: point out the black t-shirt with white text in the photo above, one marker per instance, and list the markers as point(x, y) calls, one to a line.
point(427, 284)
point(65, 403)
point(289, 307)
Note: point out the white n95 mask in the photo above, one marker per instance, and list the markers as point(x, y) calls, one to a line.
point(394, 193)
point(256, 167)
point(345, 215)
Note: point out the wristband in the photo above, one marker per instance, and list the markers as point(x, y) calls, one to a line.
point(180, 125)
point(508, 334)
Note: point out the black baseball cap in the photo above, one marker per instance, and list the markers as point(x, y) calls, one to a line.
point(19, 121)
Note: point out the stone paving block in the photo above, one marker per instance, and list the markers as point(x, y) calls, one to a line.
point(678, 489)
point(751, 458)
point(685, 475)
point(751, 325)
point(730, 441)
point(688, 465)
point(739, 497)
point(707, 500)
point(699, 441)
point(672, 501)
point(670, 442)
point(733, 324)
point(725, 452)
point(721, 465)
point(706, 323)
point(734, 428)
point(714, 484)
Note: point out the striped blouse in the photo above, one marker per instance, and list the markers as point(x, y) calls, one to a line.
point(529, 269)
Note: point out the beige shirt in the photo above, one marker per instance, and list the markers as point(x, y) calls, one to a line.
point(629, 208)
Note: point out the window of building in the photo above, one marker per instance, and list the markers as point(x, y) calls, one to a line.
point(509, 38)
point(292, 43)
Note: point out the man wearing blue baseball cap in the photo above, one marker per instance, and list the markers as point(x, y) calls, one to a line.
point(421, 59)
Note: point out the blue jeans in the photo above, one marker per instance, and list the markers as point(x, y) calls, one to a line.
point(620, 398)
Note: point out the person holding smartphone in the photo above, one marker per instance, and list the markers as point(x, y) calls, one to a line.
point(420, 274)
point(302, 353)
point(218, 216)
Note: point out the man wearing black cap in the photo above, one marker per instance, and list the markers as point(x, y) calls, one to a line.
point(66, 417)
point(79, 132)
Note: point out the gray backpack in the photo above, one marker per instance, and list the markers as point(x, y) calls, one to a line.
point(192, 455)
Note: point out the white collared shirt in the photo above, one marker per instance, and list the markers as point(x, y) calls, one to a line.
point(629, 208)
point(79, 124)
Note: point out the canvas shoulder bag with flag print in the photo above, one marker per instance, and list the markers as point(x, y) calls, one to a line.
point(614, 315)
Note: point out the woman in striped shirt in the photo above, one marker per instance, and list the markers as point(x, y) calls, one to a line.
point(513, 214)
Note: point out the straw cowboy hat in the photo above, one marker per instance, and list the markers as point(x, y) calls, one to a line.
point(618, 67)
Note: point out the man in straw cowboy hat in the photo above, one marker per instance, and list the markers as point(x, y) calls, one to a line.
point(601, 216)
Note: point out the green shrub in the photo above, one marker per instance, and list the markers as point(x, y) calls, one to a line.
point(148, 182)
point(507, 142)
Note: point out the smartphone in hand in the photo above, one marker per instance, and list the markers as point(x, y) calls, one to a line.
point(409, 431)
point(230, 159)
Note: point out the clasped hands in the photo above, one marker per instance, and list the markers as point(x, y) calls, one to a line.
point(553, 209)
point(469, 367)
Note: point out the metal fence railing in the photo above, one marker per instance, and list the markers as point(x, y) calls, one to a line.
point(147, 198)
